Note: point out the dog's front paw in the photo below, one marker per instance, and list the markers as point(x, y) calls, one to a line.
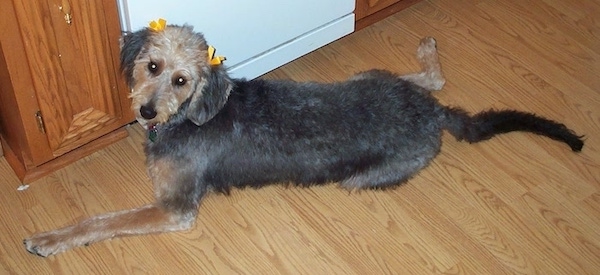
point(47, 243)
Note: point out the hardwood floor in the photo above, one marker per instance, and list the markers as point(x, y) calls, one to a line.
point(518, 203)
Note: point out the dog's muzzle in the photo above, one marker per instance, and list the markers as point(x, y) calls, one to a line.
point(147, 112)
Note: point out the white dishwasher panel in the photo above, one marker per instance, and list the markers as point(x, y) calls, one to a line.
point(255, 36)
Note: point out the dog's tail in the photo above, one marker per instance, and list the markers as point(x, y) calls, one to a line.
point(485, 125)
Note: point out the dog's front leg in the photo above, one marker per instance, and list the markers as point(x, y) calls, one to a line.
point(148, 219)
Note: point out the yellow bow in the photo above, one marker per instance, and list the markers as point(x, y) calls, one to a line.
point(158, 25)
point(212, 59)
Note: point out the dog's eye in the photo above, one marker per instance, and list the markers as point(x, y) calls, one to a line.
point(152, 67)
point(180, 81)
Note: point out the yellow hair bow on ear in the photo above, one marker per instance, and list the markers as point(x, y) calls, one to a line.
point(214, 59)
point(158, 25)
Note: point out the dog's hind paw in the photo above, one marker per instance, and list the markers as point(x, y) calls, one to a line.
point(427, 47)
point(433, 78)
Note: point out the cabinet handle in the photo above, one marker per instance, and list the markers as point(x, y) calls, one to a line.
point(40, 121)
point(66, 9)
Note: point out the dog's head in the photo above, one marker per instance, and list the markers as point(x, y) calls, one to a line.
point(169, 72)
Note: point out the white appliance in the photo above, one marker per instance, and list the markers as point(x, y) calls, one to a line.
point(255, 36)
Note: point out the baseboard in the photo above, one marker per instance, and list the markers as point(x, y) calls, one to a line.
point(30, 174)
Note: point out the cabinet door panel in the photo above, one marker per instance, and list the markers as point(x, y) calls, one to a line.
point(86, 99)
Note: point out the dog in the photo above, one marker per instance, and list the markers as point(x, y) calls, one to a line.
point(211, 133)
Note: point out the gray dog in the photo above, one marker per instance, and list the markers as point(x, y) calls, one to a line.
point(208, 132)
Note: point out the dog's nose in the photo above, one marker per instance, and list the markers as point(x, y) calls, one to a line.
point(147, 112)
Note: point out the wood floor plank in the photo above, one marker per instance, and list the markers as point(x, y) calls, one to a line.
point(516, 204)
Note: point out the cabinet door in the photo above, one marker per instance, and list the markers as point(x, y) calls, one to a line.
point(75, 66)
point(365, 8)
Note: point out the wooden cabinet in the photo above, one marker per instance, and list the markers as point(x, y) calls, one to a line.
point(61, 92)
point(370, 11)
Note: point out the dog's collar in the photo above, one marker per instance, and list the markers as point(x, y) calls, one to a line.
point(152, 132)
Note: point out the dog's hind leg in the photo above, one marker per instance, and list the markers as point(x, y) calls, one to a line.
point(431, 77)
point(387, 175)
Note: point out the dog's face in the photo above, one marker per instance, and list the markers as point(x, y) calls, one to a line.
point(165, 69)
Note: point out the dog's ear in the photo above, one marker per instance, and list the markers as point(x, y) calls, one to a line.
point(131, 46)
point(210, 98)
